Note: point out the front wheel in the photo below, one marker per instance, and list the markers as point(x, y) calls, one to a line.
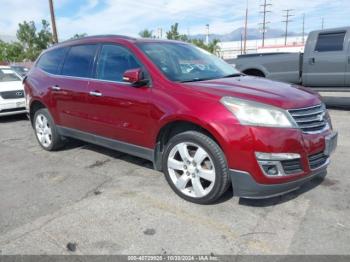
point(195, 167)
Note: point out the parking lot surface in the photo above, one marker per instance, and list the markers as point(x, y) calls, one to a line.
point(111, 203)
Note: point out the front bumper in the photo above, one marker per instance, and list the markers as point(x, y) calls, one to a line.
point(12, 106)
point(245, 186)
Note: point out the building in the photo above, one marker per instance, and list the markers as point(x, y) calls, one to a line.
point(232, 49)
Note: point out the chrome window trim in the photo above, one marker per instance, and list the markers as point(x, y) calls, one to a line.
point(84, 78)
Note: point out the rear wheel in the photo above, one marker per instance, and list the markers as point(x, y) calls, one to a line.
point(46, 131)
point(195, 167)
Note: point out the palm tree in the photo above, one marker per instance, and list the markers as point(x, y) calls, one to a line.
point(146, 33)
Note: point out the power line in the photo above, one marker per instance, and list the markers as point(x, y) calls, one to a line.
point(287, 21)
point(53, 22)
point(264, 23)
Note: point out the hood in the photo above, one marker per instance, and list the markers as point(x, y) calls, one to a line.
point(258, 89)
point(11, 86)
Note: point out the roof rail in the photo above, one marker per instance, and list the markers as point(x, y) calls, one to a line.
point(97, 36)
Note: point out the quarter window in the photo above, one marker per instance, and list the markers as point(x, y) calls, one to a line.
point(330, 42)
point(79, 61)
point(51, 60)
point(113, 61)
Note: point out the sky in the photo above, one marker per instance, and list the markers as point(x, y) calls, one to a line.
point(129, 17)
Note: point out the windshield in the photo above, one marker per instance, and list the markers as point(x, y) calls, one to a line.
point(186, 63)
point(7, 75)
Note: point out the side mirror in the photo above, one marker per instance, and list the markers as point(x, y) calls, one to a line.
point(135, 77)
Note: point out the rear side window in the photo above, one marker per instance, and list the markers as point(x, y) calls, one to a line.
point(51, 60)
point(113, 61)
point(330, 42)
point(79, 61)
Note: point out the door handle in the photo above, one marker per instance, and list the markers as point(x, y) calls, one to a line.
point(312, 60)
point(55, 88)
point(349, 60)
point(95, 93)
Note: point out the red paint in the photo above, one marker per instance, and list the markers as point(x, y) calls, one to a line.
point(136, 115)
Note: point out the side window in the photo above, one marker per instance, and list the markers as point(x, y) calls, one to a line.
point(79, 61)
point(113, 61)
point(51, 60)
point(330, 42)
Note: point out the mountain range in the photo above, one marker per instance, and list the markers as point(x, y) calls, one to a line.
point(252, 34)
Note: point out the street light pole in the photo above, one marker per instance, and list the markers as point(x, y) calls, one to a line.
point(53, 22)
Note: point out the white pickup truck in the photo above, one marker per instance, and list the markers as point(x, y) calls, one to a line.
point(325, 64)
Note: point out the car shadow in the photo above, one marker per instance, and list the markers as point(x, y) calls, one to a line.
point(73, 144)
point(13, 118)
point(117, 155)
point(315, 182)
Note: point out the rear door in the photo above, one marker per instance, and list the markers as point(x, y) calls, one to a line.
point(325, 60)
point(70, 91)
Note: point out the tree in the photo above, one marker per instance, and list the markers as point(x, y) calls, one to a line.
point(11, 52)
point(77, 36)
point(213, 47)
point(34, 42)
point(146, 33)
point(174, 34)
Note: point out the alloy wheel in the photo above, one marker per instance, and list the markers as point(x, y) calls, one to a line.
point(43, 130)
point(191, 169)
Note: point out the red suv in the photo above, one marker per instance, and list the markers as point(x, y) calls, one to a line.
point(201, 122)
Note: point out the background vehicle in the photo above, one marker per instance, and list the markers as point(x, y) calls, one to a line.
point(21, 70)
point(12, 99)
point(324, 64)
point(194, 116)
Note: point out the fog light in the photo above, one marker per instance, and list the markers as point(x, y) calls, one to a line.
point(271, 170)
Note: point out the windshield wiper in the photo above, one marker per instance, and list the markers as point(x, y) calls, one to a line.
point(196, 80)
point(205, 79)
point(233, 75)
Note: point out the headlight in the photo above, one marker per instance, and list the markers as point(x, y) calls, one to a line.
point(257, 114)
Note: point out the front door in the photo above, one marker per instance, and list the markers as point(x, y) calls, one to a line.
point(117, 109)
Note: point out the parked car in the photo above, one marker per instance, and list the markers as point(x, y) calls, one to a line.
point(324, 64)
point(12, 99)
point(21, 70)
point(204, 127)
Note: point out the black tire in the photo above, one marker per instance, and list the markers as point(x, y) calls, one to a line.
point(222, 181)
point(254, 72)
point(57, 141)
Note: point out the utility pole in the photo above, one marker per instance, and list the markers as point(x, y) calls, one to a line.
point(264, 23)
point(245, 30)
point(207, 34)
point(53, 22)
point(287, 21)
point(303, 29)
point(322, 23)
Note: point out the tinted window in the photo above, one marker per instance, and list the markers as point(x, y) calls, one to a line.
point(114, 61)
point(51, 60)
point(79, 61)
point(330, 42)
point(186, 63)
point(7, 75)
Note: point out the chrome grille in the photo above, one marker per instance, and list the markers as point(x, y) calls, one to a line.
point(12, 94)
point(310, 119)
